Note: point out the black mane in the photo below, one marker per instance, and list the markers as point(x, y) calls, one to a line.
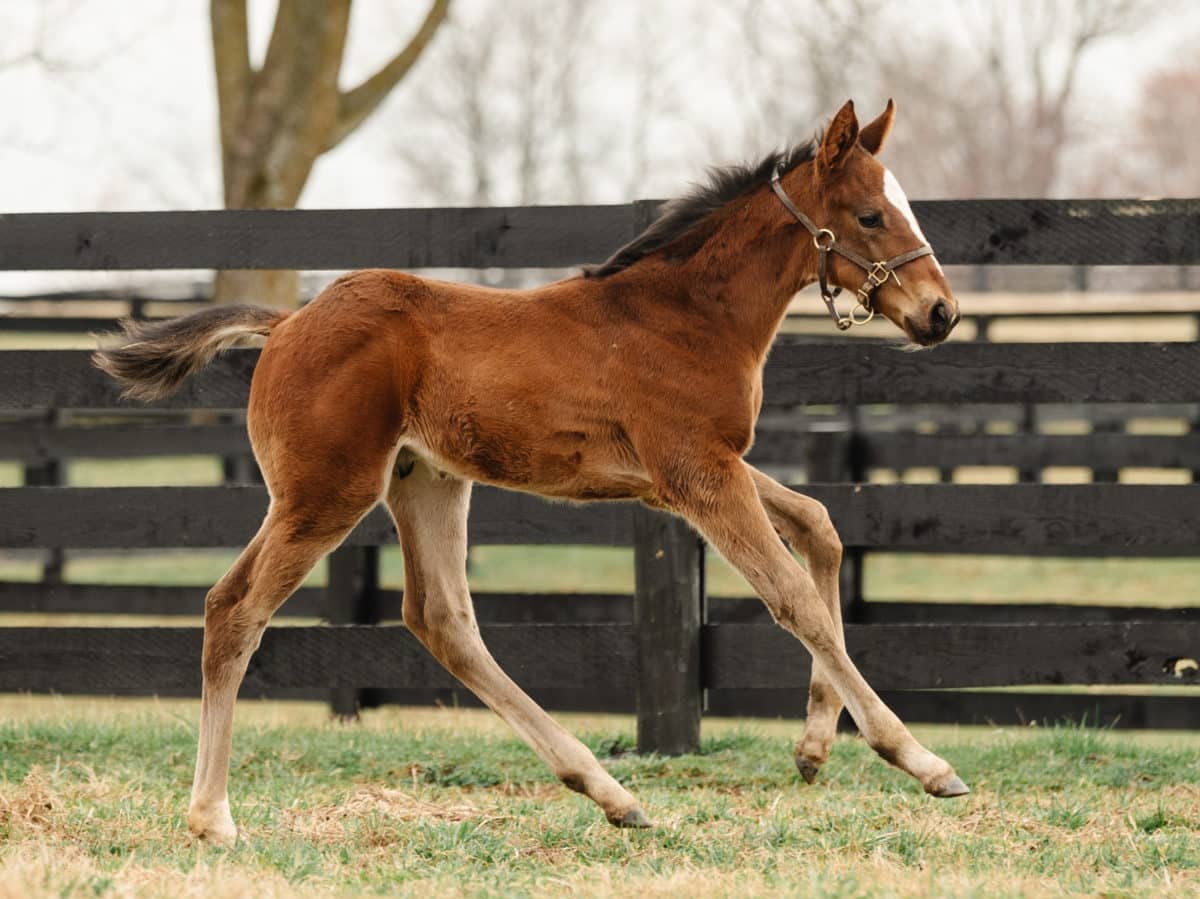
point(681, 215)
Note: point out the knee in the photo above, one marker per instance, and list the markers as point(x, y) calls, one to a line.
point(827, 536)
point(439, 616)
point(219, 602)
point(226, 641)
point(795, 604)
point(230, 631)
point(802, 619)
point(822, 535)
point(227, 593)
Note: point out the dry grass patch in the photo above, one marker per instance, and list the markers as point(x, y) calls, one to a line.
point(55, 872)
point(371, 805)
point(28, 805)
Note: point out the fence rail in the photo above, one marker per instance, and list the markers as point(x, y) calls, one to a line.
point(549, 608)
point(582, 656)
point(797, 374)
point(44, 312)
point(964, 232)
point(1141, 520)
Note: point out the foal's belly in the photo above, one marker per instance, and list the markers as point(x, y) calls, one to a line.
point(581, 462)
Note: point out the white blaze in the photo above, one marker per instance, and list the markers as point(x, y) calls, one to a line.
point(896, 196)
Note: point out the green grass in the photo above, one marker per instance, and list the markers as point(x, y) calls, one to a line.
point(414, 801)
point(151, 471)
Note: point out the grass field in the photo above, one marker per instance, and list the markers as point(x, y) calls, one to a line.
point(448, 802)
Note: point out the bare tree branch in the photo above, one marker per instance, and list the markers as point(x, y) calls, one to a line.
point(810, 55)
point(358, 103)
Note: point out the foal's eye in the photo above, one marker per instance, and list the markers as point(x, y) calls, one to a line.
point(871, 220)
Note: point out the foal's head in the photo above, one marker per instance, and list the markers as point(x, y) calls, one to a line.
point(862, 204)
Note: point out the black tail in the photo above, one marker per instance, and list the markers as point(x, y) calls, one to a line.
point(153, 358)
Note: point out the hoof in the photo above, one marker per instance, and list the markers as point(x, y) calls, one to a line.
point(808, 769)
point(215, 828)
point(951, 788)
point(633, 818)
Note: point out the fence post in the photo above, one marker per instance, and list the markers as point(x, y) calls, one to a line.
point(838, 457)
point(240, 469)
point(983, 328)
point(50, 473)
point(668, 611)
point(1107, 475)
point(981, 283)
point(1028, 424)
point(352, 597)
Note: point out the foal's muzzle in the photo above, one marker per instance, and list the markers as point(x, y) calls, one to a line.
point(943, 317)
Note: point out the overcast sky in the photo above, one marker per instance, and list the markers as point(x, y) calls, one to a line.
point(120, 113)
point(125, 116)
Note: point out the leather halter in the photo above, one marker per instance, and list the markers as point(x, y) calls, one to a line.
point(825, 241)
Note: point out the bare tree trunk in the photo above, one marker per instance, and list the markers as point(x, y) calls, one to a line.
point(264, 287)
point(277, 120)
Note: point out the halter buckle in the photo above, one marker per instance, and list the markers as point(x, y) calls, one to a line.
point(879, 273)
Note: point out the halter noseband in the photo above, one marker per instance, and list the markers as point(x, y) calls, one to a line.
point(825, 241)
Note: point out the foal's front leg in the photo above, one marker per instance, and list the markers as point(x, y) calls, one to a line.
point(727, 511)
point(805, 524)
point(430, 510)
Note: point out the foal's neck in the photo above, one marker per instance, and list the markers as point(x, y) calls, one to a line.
point(751, 267)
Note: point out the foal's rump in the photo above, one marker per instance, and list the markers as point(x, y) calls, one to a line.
point(322, 414)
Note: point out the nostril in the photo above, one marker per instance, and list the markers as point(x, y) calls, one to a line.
point(939, 315)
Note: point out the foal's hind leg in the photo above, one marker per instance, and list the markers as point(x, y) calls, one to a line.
point(720, 499)
point(430, 509)
point(236, 611)
point(805, 524)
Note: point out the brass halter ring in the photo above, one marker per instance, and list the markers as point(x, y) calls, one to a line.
point(864, 303)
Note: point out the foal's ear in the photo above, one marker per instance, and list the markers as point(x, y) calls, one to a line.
point(839, 139)
point(874, 134)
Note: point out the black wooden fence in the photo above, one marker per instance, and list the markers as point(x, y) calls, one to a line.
point(669, 647)
point(99, 310)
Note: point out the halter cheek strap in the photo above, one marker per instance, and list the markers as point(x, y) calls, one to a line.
point(824, 240)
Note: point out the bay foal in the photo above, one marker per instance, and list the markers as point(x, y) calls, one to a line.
point(640, 379)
